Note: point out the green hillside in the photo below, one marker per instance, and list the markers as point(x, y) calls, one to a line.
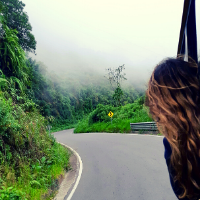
point(30, 158)
point(99, 121)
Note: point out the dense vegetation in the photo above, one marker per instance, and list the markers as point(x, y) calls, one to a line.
point(17, 19)
point(99, 121)
point(30, 158)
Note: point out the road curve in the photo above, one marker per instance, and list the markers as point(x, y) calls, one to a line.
point(120, 166)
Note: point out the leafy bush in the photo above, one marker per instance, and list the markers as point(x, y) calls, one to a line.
point(30, 158)
point(100, 114)
point(11, 193)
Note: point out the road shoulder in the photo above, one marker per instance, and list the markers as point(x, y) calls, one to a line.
point(71, 178)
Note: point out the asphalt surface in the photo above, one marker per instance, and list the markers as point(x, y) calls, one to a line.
point(120, 166)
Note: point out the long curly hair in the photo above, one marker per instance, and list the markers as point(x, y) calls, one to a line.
point(173, 98)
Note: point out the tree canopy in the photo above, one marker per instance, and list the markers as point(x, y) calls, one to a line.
point(17, 19)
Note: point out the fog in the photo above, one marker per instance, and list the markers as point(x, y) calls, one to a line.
point(80, 39)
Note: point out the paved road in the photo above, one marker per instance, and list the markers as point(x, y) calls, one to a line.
point(120, 166)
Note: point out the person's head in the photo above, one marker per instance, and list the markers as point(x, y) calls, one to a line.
point(173, 98)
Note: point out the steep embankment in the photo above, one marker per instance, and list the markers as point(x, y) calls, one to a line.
point(30, 158)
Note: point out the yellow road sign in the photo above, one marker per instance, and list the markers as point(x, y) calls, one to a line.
point(110, 114)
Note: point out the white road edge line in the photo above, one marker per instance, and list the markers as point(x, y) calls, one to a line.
point(79, 173)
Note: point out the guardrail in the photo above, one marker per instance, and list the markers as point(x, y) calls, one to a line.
point(143, 126)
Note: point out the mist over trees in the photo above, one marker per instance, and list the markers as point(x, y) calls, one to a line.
point(66, 103)
point(115, 77)
point(67, 99)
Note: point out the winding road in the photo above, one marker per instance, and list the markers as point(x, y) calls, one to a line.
point(120, 166)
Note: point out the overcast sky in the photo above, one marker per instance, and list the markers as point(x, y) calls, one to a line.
point(78, 35)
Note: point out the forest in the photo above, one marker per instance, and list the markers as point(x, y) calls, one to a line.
point(32, 97)
point(64, 104)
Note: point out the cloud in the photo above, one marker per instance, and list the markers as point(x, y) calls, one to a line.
point(77, 37)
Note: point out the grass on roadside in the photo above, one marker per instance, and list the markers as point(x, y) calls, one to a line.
point(35, 179)
point(30, 158)
point(61, 127)
point(121, 121)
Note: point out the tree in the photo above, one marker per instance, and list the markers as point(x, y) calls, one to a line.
point(115, 77)
point(17, 19)
point(12, 56)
